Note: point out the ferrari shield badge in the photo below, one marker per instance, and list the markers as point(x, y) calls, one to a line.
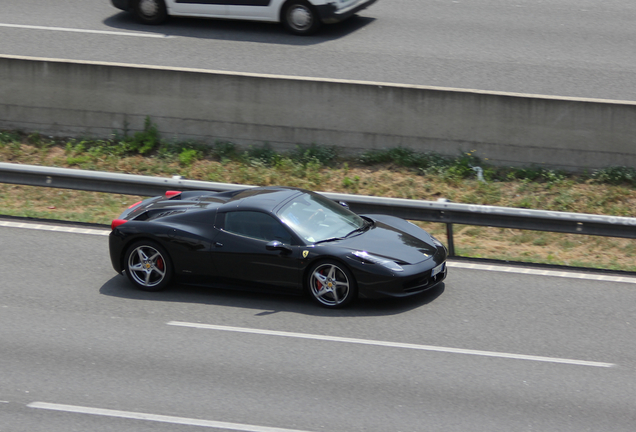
point(305, 253)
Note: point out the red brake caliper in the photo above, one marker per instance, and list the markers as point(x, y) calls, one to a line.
point(318, 282)
point(160, 264)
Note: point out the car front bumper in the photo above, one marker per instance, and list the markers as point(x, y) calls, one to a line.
point(376, 282)
point(401, 286)
point(329, 13)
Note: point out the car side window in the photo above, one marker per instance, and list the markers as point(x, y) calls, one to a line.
point(256, 225)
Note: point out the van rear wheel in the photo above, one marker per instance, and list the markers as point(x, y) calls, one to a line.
point(150, 11)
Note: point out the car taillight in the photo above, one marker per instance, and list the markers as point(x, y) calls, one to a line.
point(171, 194)
point(135, 204)
point(116, 222)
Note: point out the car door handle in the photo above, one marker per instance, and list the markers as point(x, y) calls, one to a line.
point(217, 244)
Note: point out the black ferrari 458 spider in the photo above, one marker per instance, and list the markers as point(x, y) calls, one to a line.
point(274, 237)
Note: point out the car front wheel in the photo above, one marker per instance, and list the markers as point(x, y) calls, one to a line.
point(300, 18)
point(151, 11)
point(148, 266)
point(331, 284)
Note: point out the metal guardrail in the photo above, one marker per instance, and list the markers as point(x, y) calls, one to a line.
point(431, 211)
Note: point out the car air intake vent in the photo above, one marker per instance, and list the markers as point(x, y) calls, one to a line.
point(416, 284)
point(142, 216)
point(165, 213)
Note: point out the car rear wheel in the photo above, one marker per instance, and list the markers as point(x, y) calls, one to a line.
point(148, 266)
point(300, 18)
point(331, 284)
point(151, 11)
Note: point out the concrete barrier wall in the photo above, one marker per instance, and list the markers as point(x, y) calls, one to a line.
point(70, 98)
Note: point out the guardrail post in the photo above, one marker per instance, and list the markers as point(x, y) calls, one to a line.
point(449, 238)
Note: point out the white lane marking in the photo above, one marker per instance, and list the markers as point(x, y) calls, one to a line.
point(58, 228)
point(538, 272)
point(392, 344)
point(73, 30)
point(157, 418)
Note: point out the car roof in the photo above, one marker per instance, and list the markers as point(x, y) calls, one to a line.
point(265, 198)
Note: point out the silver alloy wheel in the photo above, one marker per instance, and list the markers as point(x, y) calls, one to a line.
point(149, 8)
point(300, 17)
point(147, 266)
point(330, 285)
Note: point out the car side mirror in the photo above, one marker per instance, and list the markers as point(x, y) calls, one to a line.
point(275, 245)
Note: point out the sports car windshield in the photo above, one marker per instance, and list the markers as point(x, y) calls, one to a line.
point(317, 219)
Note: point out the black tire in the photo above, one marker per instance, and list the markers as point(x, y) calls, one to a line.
point(150, 11)
point(301, 18)
point(331, 284)
point(148, 266)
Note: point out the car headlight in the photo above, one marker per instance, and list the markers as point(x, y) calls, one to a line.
point(391, 265)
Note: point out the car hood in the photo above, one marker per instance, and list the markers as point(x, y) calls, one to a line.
point(393, 238)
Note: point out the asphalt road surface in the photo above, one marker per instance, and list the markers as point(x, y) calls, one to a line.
point(582, 48)
point(81, 350)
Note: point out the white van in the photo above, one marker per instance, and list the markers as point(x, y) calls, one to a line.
point(301, 17)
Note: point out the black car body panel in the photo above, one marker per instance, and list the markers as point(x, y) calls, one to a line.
point(191, 227)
